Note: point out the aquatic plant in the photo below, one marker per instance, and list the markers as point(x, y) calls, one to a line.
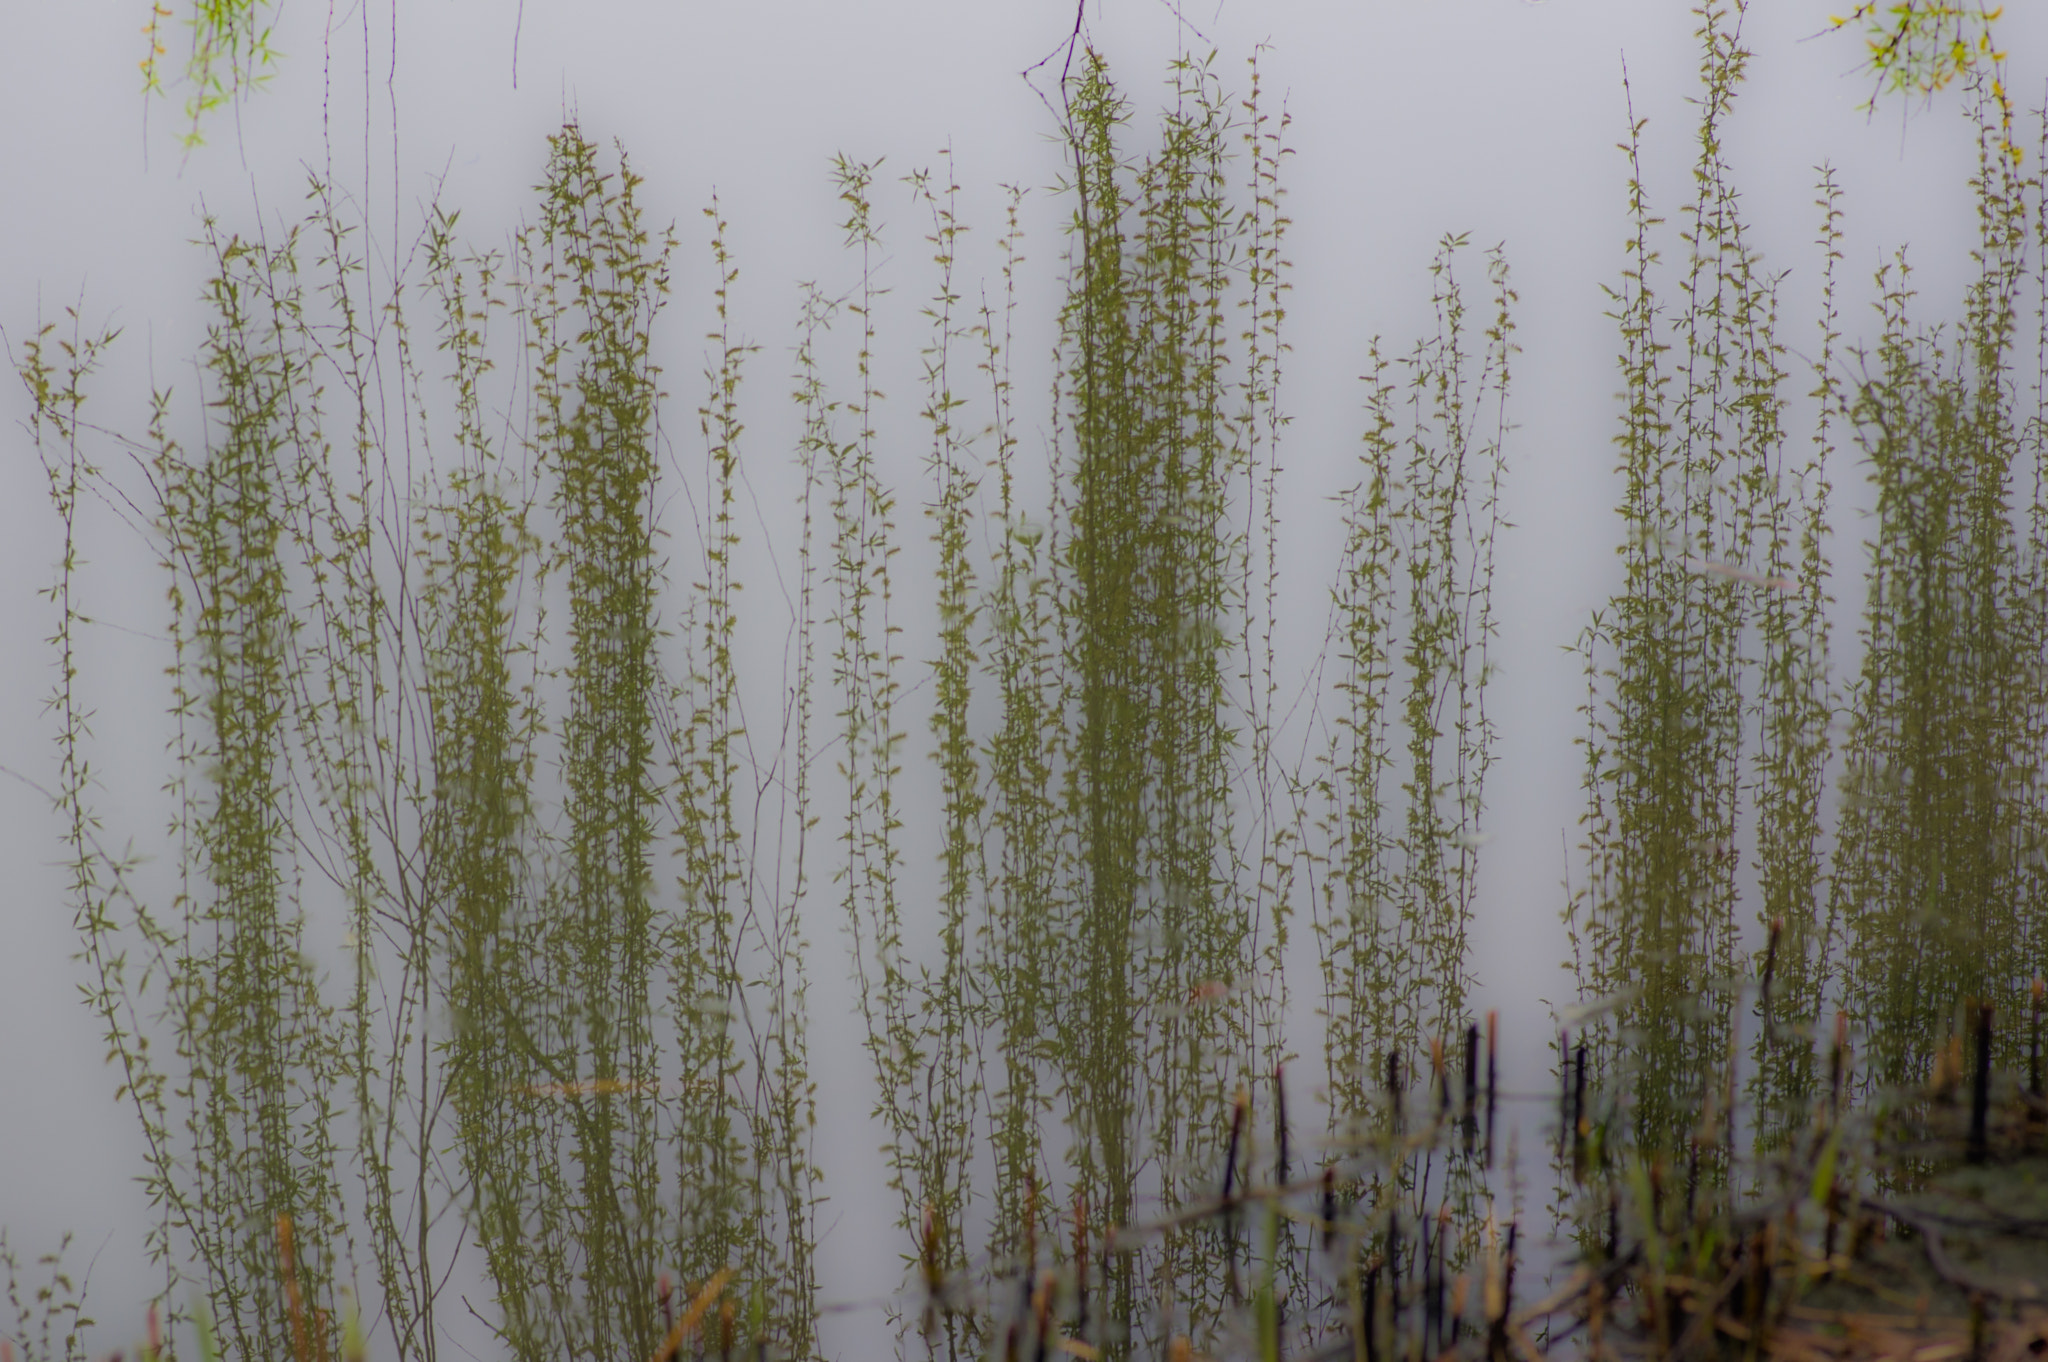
point(440, 701)
point(1939, 866)
point(1707, 688)
point(1398, 896)
point(367, 707)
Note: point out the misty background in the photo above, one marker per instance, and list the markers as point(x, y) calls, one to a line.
point(1410, 119)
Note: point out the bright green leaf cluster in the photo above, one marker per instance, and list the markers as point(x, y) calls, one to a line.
point(1919, 47)
point(231, 52)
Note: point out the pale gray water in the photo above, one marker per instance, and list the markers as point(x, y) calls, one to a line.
point(1495, 117)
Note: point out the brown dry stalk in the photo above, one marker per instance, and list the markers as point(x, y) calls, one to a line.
point(687, 1325)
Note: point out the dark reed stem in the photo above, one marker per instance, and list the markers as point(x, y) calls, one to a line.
point(1564, 1091)
point(1372, 1311)
point(1030, 1272)
point(1497, 1341)
point(1080, 1265)
point(1471, 1082)
point(1492, 1078)
point(1770, 972)
point(1980, 1089)
point(1581, 1127)
point(1237, 1119)
point(1280, 1124)
point(1041, 1316)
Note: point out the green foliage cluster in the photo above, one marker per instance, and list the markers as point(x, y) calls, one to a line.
point(578, 896)
point(1708, 723)
point(49, 1319)
point(1917, 47)
point(1945, 817)
point(1415, 669)
point(230, 53)
point(1885, 831)
point(540, 1034)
